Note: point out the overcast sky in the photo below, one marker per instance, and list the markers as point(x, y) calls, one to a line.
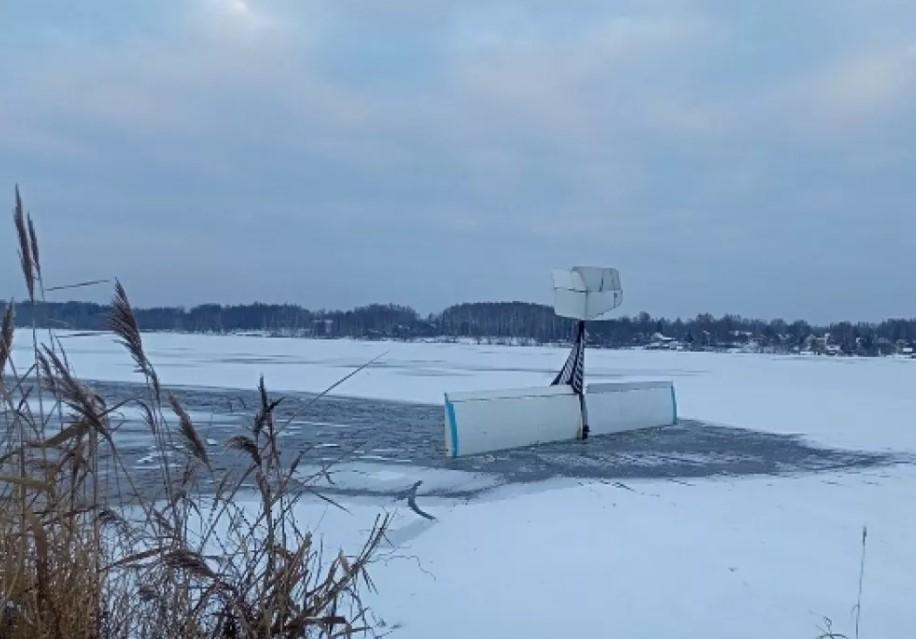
point(746, 157)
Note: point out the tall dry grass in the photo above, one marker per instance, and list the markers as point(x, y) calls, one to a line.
point(88, 551)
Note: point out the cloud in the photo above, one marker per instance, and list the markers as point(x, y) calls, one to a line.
point(868, 85)
point(575, 83)
point(849, 99)
point(233, 18)
point(683, 141)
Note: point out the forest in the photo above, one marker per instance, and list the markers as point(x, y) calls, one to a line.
point(515, 322)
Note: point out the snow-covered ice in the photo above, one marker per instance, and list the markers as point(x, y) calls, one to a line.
point(862, 403)
point(760, 556)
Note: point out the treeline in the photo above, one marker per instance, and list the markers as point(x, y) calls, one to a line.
point(376, 320)
point(498, 321)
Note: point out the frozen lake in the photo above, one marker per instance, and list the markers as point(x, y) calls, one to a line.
point(744, 520)
point(358, 431)
point(743, 414)
point(851, 403)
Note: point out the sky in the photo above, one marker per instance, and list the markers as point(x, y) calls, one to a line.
point(756, 158)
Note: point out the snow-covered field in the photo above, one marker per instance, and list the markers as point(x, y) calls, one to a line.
point(765, 556)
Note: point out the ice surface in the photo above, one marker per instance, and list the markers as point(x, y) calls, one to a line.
point(862, 403)
point(385, 479)
point(767, 556)
point(715, 558)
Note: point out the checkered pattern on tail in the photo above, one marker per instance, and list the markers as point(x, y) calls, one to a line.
point(573, 371)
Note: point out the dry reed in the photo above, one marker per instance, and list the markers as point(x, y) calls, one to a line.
point(86, 552)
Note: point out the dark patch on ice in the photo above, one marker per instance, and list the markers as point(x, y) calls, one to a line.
point(690, 449)
point(340, 429)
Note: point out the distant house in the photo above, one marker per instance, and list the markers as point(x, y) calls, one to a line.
point(661, 342)
point(819, 345)
point(741, 337)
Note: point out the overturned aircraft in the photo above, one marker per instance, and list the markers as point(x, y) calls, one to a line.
point(485, 421)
